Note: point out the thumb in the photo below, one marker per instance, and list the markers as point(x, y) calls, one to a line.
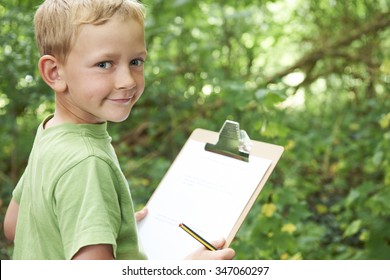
point(141, 214)
point(218, 243)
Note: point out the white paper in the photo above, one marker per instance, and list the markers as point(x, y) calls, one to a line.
point(205, 191)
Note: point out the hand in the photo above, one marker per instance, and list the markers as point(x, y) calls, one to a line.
point(205, 254)
point(141, 214)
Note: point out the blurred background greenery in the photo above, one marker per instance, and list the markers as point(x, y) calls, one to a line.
point(313, 76)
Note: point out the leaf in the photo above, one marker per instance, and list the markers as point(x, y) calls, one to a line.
point(352, 196)
point(268, 209)
point(270, 98)
point(274, 129)
point(289, 228)
point(353, 228)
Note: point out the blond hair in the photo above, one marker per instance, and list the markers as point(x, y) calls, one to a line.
point(57, 21)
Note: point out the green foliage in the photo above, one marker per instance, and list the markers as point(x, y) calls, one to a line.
point(312, 76)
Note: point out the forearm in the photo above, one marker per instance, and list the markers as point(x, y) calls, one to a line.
point(10, 220)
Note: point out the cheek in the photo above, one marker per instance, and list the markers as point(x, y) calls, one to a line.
point(141, 81)
point(141, 89)
point(90, 87)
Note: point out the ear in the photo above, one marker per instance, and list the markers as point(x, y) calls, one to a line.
point(49, 67)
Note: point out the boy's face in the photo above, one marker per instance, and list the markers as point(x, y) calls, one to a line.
point(104, 72)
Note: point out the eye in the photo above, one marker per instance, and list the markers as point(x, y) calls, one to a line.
point(137, 62)
point(104, 65)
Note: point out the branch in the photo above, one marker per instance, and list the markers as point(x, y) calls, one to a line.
point(380, 22)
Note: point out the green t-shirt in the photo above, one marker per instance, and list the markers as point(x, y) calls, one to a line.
point(73, 194)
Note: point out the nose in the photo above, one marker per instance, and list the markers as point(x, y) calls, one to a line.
point(125, 79)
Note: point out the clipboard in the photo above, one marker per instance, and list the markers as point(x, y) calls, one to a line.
point(186, 193)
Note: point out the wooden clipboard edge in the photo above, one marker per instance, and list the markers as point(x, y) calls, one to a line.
point(259, 149)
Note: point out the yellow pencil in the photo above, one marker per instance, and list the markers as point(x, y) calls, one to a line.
point(197, 237)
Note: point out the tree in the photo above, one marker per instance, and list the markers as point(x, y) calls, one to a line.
point(310, 75)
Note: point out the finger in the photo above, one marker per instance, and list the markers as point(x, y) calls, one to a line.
point(141, 214)
point(225, 254)
point(203, 254)
point(218, 243)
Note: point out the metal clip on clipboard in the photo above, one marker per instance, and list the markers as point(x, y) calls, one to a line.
point(232, 142)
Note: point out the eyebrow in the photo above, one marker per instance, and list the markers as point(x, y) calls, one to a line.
point(143, 53)
point(113, 55)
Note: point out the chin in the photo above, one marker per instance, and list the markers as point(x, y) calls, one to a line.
point(119, 119)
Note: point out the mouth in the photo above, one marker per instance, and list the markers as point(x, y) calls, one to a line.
point(124, 100)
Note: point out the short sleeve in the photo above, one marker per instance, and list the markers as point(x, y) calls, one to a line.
point(17, 193)
point(87, 206)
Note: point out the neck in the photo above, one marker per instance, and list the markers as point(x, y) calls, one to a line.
point(64, 115)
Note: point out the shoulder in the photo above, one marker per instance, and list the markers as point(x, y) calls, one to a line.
point(73, 143)
point(75, 150)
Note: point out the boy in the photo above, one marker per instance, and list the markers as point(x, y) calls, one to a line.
point(73, 201)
